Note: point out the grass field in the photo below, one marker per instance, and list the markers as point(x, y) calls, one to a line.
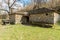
point(25, 32)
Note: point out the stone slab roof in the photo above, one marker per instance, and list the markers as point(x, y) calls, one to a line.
point(40, 10)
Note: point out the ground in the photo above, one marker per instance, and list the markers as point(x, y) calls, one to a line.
point(25, 32)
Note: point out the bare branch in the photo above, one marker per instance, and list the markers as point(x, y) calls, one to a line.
point(8, 2)
point(5, 10)
point(13, 3)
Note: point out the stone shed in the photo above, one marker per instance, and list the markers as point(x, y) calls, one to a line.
point(36, 16)
point(43, 16)
point(17, 17)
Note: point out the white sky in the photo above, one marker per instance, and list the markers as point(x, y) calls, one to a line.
point(5, 6)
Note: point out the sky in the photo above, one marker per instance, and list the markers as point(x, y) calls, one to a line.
point(21, 3)
point(24, 2)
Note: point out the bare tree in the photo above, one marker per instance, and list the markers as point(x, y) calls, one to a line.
point(33, 5)
point(9, 4)
point(47, 3)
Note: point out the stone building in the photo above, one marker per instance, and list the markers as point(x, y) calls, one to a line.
point(38, 16)
point(43, 16)
point(17, 17)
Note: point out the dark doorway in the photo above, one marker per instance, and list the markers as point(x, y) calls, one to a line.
point(25, 20)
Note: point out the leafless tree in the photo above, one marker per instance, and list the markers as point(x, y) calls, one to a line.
point(9, 4)
point(47, 3)
point(34, 4)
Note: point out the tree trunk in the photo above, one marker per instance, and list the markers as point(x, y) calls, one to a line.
point(10, 16)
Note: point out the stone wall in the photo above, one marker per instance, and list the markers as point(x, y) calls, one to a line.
point(18, 19)
point(56, 17)
point(12, 18)
point(42, 18)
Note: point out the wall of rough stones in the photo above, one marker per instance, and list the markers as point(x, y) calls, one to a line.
point(42, 17)
point(18, 19)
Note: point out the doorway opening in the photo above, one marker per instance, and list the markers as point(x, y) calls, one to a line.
point(25, 20)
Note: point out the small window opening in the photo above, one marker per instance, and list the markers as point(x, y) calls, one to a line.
point(46, 14)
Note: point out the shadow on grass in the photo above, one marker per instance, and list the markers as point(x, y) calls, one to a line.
point(36, 25)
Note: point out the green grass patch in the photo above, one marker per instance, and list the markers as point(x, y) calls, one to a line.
point(24, 32)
